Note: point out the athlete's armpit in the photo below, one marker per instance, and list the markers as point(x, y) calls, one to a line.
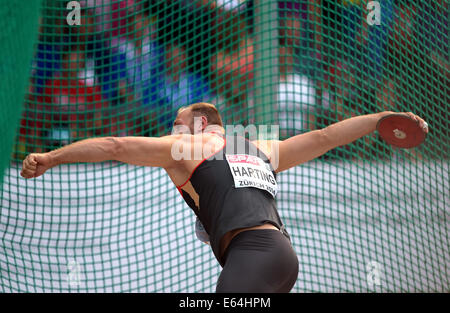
point(271, 149)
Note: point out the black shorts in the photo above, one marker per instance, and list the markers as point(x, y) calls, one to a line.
point(260, 260)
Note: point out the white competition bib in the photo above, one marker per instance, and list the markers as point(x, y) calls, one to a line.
point(251, 171)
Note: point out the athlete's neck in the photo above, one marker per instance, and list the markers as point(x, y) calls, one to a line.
point(214, 128)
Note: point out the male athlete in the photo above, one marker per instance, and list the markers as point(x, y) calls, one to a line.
point(228, 181)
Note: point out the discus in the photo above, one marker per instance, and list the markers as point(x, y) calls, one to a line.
point(401, 131)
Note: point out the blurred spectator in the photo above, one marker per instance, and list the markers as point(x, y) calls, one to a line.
point(296, 97)
point(296, 103)
point(72, 105)
point(292, 16)
point(29, 138)
point(214, 36)
point(189, 24)
point(366, 44)
point(144, 62)
point(377, 41)
point(112, 15)
point(432, 30)
point(111, 71)
point(353, 18)
point(233, 6)
point(230, 26)
point(79, 35)
point(232, 64)
point(47, 60)
point(419, 73)
point(130, 71)
point(202, 28)
point(401, 53)
point(109, 67)
point(181, 86)
point(232, 76)
point(103, 19)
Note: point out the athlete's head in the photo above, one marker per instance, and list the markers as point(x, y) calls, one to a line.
point(196, 117)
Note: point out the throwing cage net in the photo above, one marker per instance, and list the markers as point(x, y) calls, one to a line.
point(364, 217)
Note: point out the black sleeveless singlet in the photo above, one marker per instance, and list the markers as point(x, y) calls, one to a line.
point(223, 206)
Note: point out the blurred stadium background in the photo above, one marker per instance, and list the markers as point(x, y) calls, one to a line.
point(363, 218)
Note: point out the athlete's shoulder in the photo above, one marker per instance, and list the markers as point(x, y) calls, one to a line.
point(268, 147)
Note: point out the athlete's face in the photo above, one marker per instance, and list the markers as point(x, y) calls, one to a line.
point(185, 123)
point(182, 122)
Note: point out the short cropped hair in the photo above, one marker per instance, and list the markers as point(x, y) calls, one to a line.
point(205, 109)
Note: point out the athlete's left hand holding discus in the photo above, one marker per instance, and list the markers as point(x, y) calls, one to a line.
point(228, 190)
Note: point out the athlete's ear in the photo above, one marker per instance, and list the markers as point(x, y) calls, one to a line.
point(204, 122)
point(199, 124)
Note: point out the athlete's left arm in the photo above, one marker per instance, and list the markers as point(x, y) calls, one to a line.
point(308, 146)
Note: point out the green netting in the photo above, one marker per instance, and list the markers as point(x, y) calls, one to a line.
point(364, 217)
point(18, 24)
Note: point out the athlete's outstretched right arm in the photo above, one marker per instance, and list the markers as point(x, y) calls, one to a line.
point(142, 151)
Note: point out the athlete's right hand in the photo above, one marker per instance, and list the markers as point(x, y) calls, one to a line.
point(35, 165)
